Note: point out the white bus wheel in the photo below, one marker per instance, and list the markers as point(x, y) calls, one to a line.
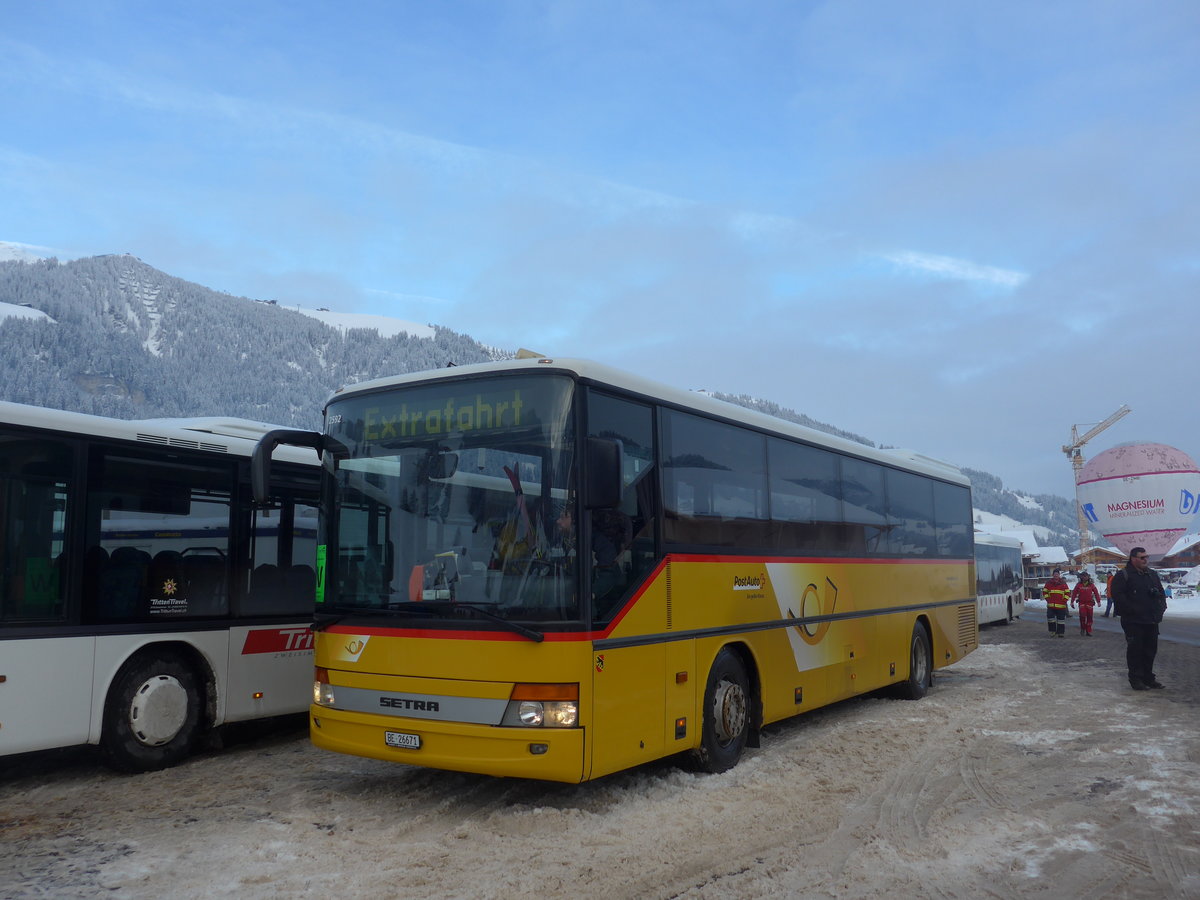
point(152, 714)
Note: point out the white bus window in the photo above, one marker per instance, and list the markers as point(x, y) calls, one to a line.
point(33, 501)
point(159, 539)
point(282, 575)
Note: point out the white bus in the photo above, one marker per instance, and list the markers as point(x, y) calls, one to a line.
point(143, 598)
point(999, 588)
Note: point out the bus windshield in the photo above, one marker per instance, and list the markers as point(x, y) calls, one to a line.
point(454, 497)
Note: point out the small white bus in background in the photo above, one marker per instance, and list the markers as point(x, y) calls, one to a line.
point(999, 587)
point(143, 599)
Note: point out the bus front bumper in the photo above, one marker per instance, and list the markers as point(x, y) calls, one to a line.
point(549, 754)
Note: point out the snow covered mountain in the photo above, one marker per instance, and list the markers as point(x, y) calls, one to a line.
point(111, 335)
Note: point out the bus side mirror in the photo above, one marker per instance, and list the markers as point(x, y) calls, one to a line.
point(260, 461)
point(602, 488)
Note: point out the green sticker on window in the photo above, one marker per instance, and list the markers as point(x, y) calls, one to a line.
point(320, 573)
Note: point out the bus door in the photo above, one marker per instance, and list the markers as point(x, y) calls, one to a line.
point(270, 664)
point(630, 683)
point(45, 681)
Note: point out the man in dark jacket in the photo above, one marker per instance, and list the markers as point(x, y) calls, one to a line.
point(1141, 602)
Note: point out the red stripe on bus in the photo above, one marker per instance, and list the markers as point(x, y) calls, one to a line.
point(277, 640)
point(819, 560)
point(454, 634)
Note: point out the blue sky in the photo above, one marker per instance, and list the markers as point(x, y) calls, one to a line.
point(955, 227)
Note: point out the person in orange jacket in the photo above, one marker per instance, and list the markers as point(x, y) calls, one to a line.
point(1108, 607)
point(1056, 594)
point(1086, 597)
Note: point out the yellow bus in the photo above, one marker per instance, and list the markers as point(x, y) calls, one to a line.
point(546, 568)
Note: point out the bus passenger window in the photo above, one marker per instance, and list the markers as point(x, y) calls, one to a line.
point(33, 508)
point(863, 506)
point(952, 510)
point(282, 575)
point(716, 483)
point(911, 530)
point(622, 537)
point(165, 528)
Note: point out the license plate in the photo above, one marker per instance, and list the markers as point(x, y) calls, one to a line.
point(403, 740)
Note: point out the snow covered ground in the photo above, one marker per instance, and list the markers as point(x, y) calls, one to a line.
point(1030, 770)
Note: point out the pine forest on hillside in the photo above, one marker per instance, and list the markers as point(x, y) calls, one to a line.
point(128, 341)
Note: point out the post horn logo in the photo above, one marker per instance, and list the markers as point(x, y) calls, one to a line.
point(812, 604)
point(355, 647)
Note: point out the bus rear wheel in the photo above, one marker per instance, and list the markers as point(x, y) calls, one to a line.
point(152, 714)
point(920, 666)
point(725, 723)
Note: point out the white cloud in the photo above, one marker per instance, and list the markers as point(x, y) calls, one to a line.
point(956, 269)
point(10, 250)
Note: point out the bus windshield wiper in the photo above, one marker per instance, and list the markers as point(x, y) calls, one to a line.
point(535, 636)
point(320, 623)
point(448, 609)
point(441, 609)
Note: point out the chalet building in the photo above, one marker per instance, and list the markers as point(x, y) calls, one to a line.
point(1040, 566)
point(1182, 556)
point(1100, 556)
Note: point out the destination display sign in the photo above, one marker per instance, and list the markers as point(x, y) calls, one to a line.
point(454, 414)
point(453, 408)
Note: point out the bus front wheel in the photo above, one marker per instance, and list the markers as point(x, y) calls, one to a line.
point(725, 724)
point(152, 714)
point(920, 666)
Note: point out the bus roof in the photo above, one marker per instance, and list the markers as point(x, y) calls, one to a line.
point(213, 434)
point(998, 540)
point(689, 400)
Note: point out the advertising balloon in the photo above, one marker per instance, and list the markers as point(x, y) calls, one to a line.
point(1140, 495)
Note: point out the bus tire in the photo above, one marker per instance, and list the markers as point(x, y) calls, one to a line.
point(152, 715)
point(725, 719)
point(920, 666)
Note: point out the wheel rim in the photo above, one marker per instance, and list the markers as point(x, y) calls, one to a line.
point(729, 711)
point(159, 710)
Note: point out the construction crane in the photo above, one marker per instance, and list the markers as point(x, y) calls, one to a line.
point(1074, 451)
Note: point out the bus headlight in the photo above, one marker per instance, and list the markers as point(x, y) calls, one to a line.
point(543, 706)
point(322, 694)
point(322, 689)
point(549, 713)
